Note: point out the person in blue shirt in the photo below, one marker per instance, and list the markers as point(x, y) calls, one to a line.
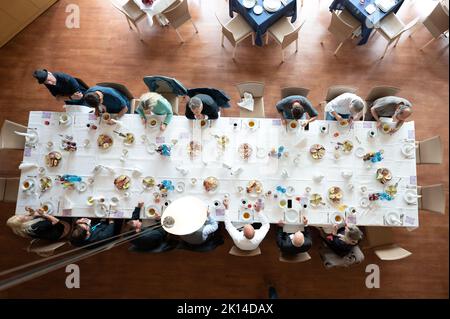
point(60, 85)
point(85, 233)
point(296, 107)
point(107, 100)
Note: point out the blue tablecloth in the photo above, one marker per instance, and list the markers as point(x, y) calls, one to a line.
point(260, 23)
point(368, 21)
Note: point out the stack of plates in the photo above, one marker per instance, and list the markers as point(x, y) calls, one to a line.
point(272, 5)
point(249, 3)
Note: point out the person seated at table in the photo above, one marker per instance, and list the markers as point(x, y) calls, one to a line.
point(60, 85)
point(154, 103)
point(298, 242)
point(399, 109)
point(202, 234)
point(248, 238)
point(296, 107)
point(343, 238)
point(345, 106)
point(84, 233)
point(107, 100)
point(38, 224)
point(150, 239)
point(202, 106)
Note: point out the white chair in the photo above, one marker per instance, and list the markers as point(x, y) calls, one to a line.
point(436, 22)
point(381, 91)
point(256, 89)
point(10, 140)
point(432, 198)
point(392, 28)
point(132, 13)
point(381, 239)
point(343, 26)
point(236, 30)
point(179, 15)
point(284, 33)
point(429, 151)
point(288, 91)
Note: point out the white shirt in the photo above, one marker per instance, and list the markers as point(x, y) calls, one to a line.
point(238, 236)
point(341, 104)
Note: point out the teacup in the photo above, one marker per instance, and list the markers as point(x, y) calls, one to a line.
point(323, 129)
point(293, 125)
point(251, 124)
point(282, 203)
point(386, 128)
point(338, 218)
point(153, 122)
point(372, 133)
point(203, 123)
point(27, 185)
point(363, 189)
point(45, 208)
point(49, 145)
point(41, 170)
point(106, 116)
point(246, 215)
point(151, 211)
point(63, 119)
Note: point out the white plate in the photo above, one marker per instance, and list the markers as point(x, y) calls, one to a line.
point(151, 148)
point(360, 151)
point(261, 152)
point(272, 5)
point(364, 202)
point(410, 197)
point(180, 187)
point(291, 216)
point(337, 215)
point(258, 9)
point(290, 190)
point(408, 150)
point(249, 3)
point(392, 218)
point(81, 187)
point(101, 210)
point(51, 207)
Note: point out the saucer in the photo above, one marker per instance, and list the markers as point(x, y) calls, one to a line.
point(360, 151)
point(291, 216)
point(364, 202)
point(258, 9)
point(408, 150)
point(180, 187)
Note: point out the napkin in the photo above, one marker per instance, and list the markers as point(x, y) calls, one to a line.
point(247, 102)
point(27, 165)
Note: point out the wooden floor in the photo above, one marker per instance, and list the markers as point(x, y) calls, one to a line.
point(104, 49)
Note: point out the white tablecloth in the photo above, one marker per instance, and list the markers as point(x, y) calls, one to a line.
point(156, 8)
point(210, 162)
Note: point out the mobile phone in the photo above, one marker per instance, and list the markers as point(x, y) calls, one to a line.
point(289, 203)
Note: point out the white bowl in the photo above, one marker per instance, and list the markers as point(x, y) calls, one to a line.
point(360, 151)
point(364, 202)
point(392, 218)
point(249, 3)
point(410, 197)
point(408, 150)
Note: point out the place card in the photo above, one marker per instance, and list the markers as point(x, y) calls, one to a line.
point(27, 152)
point(367, 125)
point(92, 117)
point(160, 139)
point(351, 219)
point(67, 212)
point(46, 115)
point(411, 134)
point(276, 122)
point(410, 220)
point(118, 214)
point(220, 212)
point(413, 180)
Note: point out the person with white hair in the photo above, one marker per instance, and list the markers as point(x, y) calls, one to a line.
point(248, 238)
point(298, 242)
point(343, 238)
point(154, 103)
point(397, 108)
point(38, 224)
point(202, 107)
point(345, 106)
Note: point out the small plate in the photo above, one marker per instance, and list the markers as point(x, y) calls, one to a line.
point(364, 202)
point(360, 151)
point(408, 150)
point(180, 187)
point(246, 215)
point(290, 190)
point(337, 218)
point(258, 9)
point(410, 197)
point(50, 207)
point(81, 187)
point(249, 3)
point(392, 218)
point(291, 216)
point(151, 211)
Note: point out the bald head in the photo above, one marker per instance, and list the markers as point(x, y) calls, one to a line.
point(249, 231)
point(298, 240)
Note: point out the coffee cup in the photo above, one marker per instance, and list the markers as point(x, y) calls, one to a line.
point(282, 203)
point(323, 129)
point(372, 133)
point(153, 122)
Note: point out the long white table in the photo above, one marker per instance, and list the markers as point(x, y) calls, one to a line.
point(269, 133)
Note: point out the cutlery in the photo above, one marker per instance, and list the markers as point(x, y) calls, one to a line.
point(120, 134)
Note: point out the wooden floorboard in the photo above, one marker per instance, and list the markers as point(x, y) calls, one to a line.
point(104, 49)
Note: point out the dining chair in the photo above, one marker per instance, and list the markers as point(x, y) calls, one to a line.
point(433, 198)
point(336, 90)
point(297, 258)
point(429, 151)
point(179, 15)
point(284, 33)
point(11, 190)
point(381, 239)
point(330, 259)
point(2, 188)
point(392, 28)
point(289, 91)
point(236, 30)
point(256, 89)
point(381, 91)
point(10, 140)
point(436, 23)
point(244, 253)
point(165, 90)
point(343, 26)
point(82, 83)
point(122, 89)
point(132, 13)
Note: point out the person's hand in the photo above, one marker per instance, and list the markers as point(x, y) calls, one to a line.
point(163, 127)
point(40, 212)
point(335, 229)
point(281, 223)
point(283, 121)
point(199, 116)
point(157, 216)
point(110, 122)
point(137, 226)
point(226, 203)
point(110, 221)
point(141, 204)
point(304, 123)
point(338, 118)
point(379, 124)
point(77, 96)
point(305, 220)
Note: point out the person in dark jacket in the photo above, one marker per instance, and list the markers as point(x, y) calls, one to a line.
point(343, 239)
point(84, 233)
point(202, 106)
point(292, 244)
point(106, 99)
point(151, 238)
point(60, 85)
